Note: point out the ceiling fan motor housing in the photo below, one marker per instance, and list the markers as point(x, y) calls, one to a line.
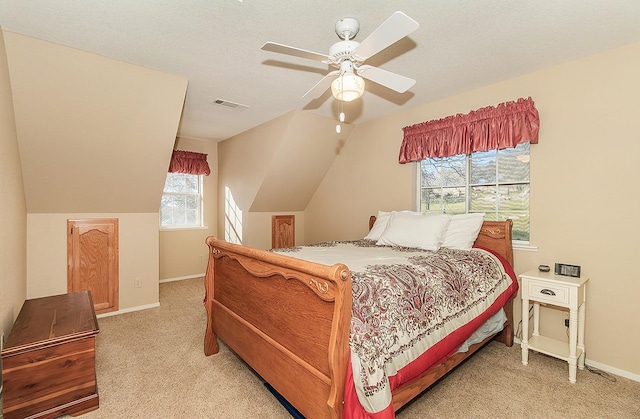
point(342, 50)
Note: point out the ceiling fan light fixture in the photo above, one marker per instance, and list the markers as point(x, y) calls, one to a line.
point(347, 87)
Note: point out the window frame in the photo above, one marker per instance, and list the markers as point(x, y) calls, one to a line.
point(468, 189)
point(200, 203)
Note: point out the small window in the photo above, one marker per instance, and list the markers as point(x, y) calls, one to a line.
point(181, 205)
point(495, 182)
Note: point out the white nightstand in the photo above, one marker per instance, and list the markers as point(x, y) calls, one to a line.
point(562, 291)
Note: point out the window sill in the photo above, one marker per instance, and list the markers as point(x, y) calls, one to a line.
point(183, 228)
point(525, 247)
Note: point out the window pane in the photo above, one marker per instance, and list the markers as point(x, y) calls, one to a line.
point(432, 200)
point(490, 216)
point(513, 197)
point(191, 202)
point(430, 173)
point(169, 183)
point(455, 201)
point(483, 168)
point(165, 215)
point(191, 217)
point(513, 164)
point(191, 184)
point(176, 183)
point(483, 199)
point(454, 171)
point(520, 224)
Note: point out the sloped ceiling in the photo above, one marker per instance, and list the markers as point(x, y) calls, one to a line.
point(95, 134)
point(460, 45)
point(304, 155)
point(279, 165)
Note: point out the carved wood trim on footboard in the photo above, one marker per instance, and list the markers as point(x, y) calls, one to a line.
point(302, 354)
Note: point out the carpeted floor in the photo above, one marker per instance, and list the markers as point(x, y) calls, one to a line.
point(151, 364)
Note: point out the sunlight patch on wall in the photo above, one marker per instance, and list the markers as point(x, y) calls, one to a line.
point(232, 218)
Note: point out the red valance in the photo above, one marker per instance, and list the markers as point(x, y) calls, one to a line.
point(189, 162)
point(490, 128)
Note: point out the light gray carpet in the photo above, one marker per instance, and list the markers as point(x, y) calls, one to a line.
point(151, 364)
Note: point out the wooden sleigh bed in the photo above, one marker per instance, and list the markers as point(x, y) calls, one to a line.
point(289, 320)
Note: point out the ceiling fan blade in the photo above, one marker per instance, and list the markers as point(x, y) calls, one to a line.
point(320, 87)
point(296, 52)
point(396, 27)
point(386, 78)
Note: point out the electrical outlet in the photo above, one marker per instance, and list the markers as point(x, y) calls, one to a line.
point(201, 258)
point(137, 283)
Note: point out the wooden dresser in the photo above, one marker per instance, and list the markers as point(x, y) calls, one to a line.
point(48, 362)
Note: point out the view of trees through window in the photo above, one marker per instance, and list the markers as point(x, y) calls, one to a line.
point(495, 182)
point(181, 204)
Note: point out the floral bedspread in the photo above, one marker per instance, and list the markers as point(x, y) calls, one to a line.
point(408, 303)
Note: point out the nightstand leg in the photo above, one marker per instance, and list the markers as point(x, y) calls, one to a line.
point(536, 318)
point(581, 317)
point(524, 344)
point(573, 338)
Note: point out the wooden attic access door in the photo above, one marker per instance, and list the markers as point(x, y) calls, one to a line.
point(283, 228)
point(92, 260)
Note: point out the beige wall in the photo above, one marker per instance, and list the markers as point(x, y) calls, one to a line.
point(183, 252)
point(13, 211)
point(583, 196)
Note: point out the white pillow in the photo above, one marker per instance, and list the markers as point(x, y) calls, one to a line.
point(378, 227)
point(463, 231)
point(381, 223)
point(415, 230)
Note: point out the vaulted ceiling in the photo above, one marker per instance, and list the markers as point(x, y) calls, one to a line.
point(215, 44)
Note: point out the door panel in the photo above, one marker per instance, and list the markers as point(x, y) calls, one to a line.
point(283, 230)
point(92, 251)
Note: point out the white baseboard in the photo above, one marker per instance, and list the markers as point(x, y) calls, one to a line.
point(129, 310)
point(180, 278)
point(603, 367)
point(612, 370)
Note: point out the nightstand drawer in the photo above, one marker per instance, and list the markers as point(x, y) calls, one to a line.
point(552, 294)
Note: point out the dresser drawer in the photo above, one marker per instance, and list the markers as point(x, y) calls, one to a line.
point(549, 293)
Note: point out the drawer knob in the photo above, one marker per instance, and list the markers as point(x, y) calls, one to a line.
point(547, 291)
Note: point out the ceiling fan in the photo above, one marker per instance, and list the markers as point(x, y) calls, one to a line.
point(348, 56)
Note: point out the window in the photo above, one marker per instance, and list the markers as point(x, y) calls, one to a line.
point(181, 205)
point(495, 182)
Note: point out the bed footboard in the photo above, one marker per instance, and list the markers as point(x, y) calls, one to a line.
point(247, 290)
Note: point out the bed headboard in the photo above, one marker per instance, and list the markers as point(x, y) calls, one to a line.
point(494, 235)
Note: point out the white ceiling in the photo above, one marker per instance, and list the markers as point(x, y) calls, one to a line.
point(215, 44)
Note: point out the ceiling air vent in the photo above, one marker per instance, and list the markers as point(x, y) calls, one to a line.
point(230, 105)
